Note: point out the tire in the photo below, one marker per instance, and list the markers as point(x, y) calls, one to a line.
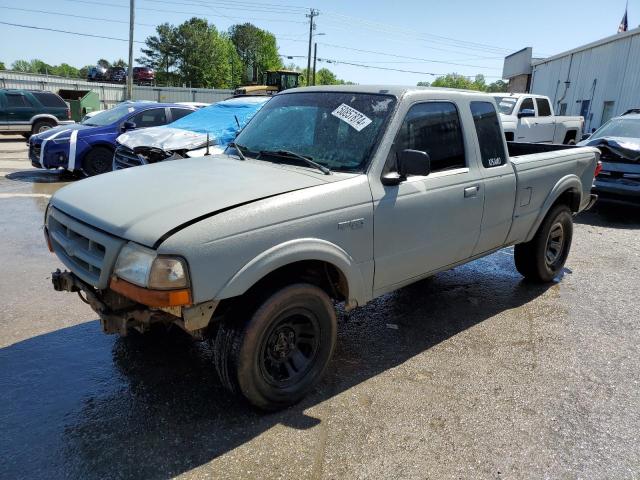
point(98, 160)
point(42, 126)
point(543, 258)
point(571, 141)
point(26, 135)
point(276, 352)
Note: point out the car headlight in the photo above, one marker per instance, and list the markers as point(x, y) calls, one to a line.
point(145, 268)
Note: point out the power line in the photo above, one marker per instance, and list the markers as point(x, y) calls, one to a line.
point(102, 19)
point(33, 27)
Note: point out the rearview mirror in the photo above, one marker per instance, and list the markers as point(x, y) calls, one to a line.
point(126, 126)
point(527, 112)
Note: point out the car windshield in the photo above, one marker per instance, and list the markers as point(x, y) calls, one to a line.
point(506, 104)
point(619, 127)
point(108, 116)
point(338, 130)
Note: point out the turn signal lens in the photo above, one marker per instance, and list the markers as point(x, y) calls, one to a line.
point(151, 298)
point(598, 169)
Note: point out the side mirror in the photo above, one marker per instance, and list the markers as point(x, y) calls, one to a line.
point(413, 162)
point(126, 126)
point(527, 112)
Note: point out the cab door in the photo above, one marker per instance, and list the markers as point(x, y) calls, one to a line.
point(427, 222)
point(545, 124)
point(526, 129)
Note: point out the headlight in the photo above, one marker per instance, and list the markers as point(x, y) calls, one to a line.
point(143, 267)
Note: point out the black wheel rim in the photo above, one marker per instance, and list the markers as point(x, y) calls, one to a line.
point(44, 128)
point(555, 244)
point(290, 348)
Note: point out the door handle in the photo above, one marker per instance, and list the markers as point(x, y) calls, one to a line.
point(471, 191)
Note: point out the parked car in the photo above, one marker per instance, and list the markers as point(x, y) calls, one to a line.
point(619, 142)
point(194, 104)
point(530, 118)
point(143, 76)
point(253, 247)
point(31, 111)
point(88, 147)
point(116, 75)
point(96, 74)
point(187, 137)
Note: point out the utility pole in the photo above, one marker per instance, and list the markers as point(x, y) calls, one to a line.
point(312, 14)
point(130, 69)
point(315, 57)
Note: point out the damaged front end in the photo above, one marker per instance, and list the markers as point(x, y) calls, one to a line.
point(619, 179)
point(125, 157)
point(119, 314)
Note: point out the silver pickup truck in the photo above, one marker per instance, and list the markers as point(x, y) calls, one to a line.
point(329, 194)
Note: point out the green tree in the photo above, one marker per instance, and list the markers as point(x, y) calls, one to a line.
point(65, 70)
point(497, 86)
point(204, 55)
point(103, 63)
point(160, 52)
point(21, 66)
point(2, 67)
point(257, 50)
point(453, 80)
point(424, 84)
point(119, 63)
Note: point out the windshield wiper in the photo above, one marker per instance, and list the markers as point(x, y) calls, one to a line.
point(290, 154)
point(237, 149)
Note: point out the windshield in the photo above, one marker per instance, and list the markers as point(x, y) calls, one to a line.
point(506, 104)
point(336, 130)
point(108, 116)
point(619, 127)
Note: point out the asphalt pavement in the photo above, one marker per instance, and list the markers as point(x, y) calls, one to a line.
point(474, 373)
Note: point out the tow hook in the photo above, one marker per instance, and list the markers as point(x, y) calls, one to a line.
point(64, 281)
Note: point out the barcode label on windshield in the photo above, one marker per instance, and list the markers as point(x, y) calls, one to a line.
point(353, 117)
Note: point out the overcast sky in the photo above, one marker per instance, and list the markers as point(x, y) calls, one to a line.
point(464, 36)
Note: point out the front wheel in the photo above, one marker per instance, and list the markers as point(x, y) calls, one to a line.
point(274, 354)
point(98, 160)
point(543, 258)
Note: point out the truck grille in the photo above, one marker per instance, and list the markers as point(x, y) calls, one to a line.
point(87, 252)
point(125, 158)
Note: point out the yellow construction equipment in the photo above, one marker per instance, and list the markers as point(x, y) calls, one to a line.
point(275, 81)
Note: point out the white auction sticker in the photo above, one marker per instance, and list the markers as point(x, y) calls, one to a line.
point(353, 117)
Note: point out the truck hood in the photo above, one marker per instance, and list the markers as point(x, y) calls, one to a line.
point(146, 204)
point(164, 138)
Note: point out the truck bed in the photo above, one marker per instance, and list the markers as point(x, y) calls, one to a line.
point(517, 149)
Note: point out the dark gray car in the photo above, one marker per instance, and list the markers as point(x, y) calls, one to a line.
point(619, 142)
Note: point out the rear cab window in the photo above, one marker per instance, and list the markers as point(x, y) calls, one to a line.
point(544, 109)
point(489, 134)
point(433, 128)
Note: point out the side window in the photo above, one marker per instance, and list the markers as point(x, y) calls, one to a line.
point(434, 128)
point(544, 110)
point(17, 100)
point(489, 134)
point(149, 118)
point(178, 113)
point(527, 104)
point(49, 99)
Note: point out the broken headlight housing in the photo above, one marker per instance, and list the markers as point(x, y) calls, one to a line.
point(145, 268)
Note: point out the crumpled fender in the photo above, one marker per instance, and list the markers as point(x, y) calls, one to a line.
point(569, 182)
point(295, 251)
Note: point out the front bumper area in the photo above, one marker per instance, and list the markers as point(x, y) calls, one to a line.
point(118, 314)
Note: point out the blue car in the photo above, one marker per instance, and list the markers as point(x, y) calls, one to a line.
point(88, 147)
point(208, 131)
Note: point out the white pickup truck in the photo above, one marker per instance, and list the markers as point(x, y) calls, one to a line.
point(329, 194)
point(530, 118)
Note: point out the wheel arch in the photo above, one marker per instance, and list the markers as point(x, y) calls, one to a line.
point(82, 155)
point(313, 260)
point(567, 191)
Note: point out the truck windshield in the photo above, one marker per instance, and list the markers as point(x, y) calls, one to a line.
point(108, 116)
point(338, 130)
point(506, 104)
point(619, 127)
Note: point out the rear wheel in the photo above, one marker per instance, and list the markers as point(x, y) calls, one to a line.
point(275, 353)
point(543, 258)
point(98, 160)
point(42, 126)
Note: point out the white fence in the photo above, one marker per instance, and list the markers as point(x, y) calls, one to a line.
point(110, 93)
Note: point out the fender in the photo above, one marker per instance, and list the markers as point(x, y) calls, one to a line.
point(569, 182)
point(295, 251)
point(43, 116)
